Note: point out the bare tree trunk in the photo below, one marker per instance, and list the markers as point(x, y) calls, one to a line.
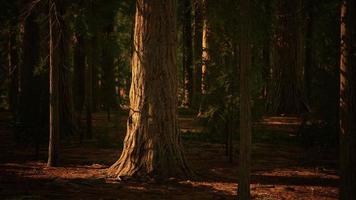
point(89, 88)
point(286, 95)
point(108, 71)
point(152, 146)
point(187, 54)
point(30, 57)
point(79, 81)
point(266, 52)
point(348, 101)
point(205, 57)
point(245, 111)
point(60, 104)
point(309, 49)
point(53, 149)
point(13, 73)
point(198, 27)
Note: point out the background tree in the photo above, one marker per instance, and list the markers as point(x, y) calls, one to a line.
point(286, 97)
point(187, 53)
point(197, 50)
point(245, 112)
point(348, 100)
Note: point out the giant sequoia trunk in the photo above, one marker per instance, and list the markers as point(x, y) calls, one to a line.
point(152, 146)
point(348, 101)
point(286, 97)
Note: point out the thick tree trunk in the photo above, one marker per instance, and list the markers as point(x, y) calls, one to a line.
point(187, 54)
point(286, 97)
point(30, 57)
point(245, 111)
point(348, 101)
point(152, 146)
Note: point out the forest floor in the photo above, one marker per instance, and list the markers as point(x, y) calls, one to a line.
point(281, 169)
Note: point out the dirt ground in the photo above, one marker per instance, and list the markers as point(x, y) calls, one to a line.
point(278, 172)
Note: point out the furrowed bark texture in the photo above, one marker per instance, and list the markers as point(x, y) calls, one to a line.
point(152, 146)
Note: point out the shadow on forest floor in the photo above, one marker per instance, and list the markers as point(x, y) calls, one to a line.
point(278, 172)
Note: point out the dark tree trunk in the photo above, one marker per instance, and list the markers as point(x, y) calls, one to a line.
point(54, 128)
point(30, 56)
point(13, 73)
point(348, 101)
point(89, 87)
point(79, 73)
point(27, 82)
point(286, 97)
point(309, 49)
point(152, 145)
point(60, 104)
point(108, 72)
point(266, 51)
point(198, 35)
point(187, 54)
point(245, 111)
point(79, 81)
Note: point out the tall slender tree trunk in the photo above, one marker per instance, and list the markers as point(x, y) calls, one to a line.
point(54, 129)
point(245, 111)
point(187, 54)
point(198, 27)
point(300, 45)
point(309, 49)
point(89, 88)
point(79, 81)
point(266, 51)
point(348, 100)
point(79, 72)
point(205, 57)
point(152, 145)
point(60, 104)
point(13, 72)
